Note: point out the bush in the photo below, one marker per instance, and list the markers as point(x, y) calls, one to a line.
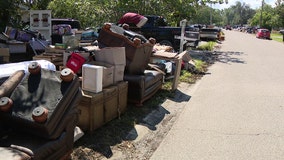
point(209, 46)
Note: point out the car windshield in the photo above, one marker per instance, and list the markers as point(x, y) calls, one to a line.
point(264, 30)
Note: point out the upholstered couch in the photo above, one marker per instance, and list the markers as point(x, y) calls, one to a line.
point(21, 136)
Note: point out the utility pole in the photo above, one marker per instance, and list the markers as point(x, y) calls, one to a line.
point(260, 20)
point(211, 13)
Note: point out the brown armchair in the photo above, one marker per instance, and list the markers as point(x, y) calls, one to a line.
point(142, 83)
point(144, 86)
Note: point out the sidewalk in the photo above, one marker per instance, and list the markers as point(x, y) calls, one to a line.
point(236, 113)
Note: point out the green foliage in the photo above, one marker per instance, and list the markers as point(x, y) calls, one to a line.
point(89, 13)
point(202, 16)
point(186, 76)
point(9, 15)
point(209, 46)
point(264, 17)
point(167, 85)
point(238, 14)
point(200, 65)
point(279, 11)
point(93, 13)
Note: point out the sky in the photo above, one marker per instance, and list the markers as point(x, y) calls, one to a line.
point(254, 4)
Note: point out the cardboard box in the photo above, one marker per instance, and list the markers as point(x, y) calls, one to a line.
point(118, 73)
point(4, 55)
point(91, 109)
point(108, 72)
point(110, 103)
point(111, 55)
point(122, 96)
point(92, 77)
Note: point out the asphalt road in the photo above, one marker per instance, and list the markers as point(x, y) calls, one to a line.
point(236, 111)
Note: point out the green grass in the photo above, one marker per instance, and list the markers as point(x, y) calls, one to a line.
point(209, 46)
point(167, 85)
point(186, 76)
point(277, 37)
point(191, 77)
point(200, 65)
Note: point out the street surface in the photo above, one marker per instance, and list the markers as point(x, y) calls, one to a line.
point(236, 111)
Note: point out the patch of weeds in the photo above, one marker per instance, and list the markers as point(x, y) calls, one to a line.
point(193, 74)
point(209, 46)
point(167, 85)
point(186, 76)
point(200, 66)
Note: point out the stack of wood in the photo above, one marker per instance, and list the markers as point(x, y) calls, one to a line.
point(52, 54)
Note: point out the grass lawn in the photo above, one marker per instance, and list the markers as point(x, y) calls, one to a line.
point(277, 37)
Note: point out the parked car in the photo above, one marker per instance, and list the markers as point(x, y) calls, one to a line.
point(263, 33)
point(228, 27)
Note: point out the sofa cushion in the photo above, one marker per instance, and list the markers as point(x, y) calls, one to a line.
point(151, 77)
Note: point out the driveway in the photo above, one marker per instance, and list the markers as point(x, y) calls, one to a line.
point(236, 111)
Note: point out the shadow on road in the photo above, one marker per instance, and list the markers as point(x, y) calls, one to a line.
point(229, 57)
point(218, 56)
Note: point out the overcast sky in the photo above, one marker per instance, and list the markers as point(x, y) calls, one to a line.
point(254, 4)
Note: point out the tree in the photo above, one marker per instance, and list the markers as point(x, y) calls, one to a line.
point(93, 13)
point(268, 17)
point(9, 14)
point(36, 4)
point(279, 11)
point(202, 16)
point(99, 11)
point(238, 14)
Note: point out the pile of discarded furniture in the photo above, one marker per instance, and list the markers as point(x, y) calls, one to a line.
point(143, 83)
point(106, 78)
point(22, 45)
point(132, 81)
